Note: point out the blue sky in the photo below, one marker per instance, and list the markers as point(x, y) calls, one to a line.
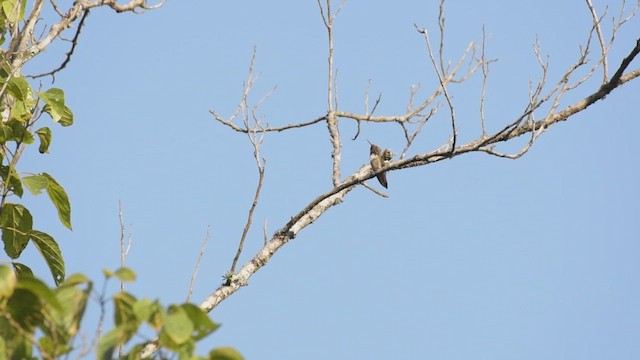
point(474, 257)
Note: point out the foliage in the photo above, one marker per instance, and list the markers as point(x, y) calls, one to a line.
point(38, 320)
point(20, 109)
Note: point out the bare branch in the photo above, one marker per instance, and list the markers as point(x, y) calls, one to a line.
point(195, 270)
point(375, 191)
point(443, 69)
point(267, 128)
point(230, 275)
point(256, 137)
point(56, 8)
point(603, 46)
point(264, 231)
point(74, 43)
point(524, 124)
point(124, 246)
point(485, 75)
point(443, 82)
point(366, 109)
point(412, 137)
point(24, 46)
point(331, 118)
point(322, 14)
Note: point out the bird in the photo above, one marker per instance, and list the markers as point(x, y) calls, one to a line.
point(377, 162)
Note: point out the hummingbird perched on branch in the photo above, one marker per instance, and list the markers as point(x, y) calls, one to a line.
point(377, 159)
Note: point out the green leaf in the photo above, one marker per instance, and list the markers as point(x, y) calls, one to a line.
point(67, 117)
point(123, 305)
point(143, 309)
point(125, 274)
point(10, 177)
point(19, 132)
point(40, 290)
point(51, 253)
point(5, 69)
point(44, 134)
point(16, 222)
point(75, 279)
point(54, 346)
point(17, 346)
point(26, 308)
point(107, 345)
point(225, 353)
point(21, 270)
point(60, 200)
point(35, 183)
point(15, 184)
point(13, 10)
point(74, 301)
point(54, 100)
point(23, 110)
point(19, 88)
point(203, 325)
point(6, 133)
point(177, 326)
point(111, 340)
point(3, 349)
point(8, 281)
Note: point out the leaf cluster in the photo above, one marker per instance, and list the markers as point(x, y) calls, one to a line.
point(20, 109)
point(37, 320)
point(29, 307)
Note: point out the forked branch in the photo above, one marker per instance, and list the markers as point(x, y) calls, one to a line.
point(533, 121)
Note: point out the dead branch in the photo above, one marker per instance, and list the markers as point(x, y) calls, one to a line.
point(524, 124)
point(124, 246)
point(256, 137)
point(483, 89)
point(24, 45)
point(230, 274)
point(195, 270)
point(74, 43)
point(442, 75)
point(267, 128)
point(603, 47)
point(335, 196)
point(331, 118)
point(411, 137)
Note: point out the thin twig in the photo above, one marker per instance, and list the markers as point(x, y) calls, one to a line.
point(443, 86)
point(74, 43)
point(256, 137)
point(414, 135)
point(332, 119)
point(603, 47)
point(123, 253)
point(526, 123)
point(248, 224)
point(268, 128)
point(264, 231)
point(195, 270)
point(485, 75)
point(375, 191)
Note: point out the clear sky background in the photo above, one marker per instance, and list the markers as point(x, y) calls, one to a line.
point(471, 258)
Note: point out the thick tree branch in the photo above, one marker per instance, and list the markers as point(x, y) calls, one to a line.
point(526, 123)
point(335, 196)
